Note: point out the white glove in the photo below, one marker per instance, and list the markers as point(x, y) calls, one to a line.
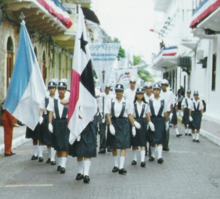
point(171, 115)
point(182, 114)
point(190, 118)
point(151, 125)
point(137, 125)
point(50, 127)
point(133, 131)
point(41, 119)
point(78, 138)
point(112, 129)
point(167, 126)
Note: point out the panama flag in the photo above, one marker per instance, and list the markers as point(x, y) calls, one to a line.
point(26, 89)
point(82, 105)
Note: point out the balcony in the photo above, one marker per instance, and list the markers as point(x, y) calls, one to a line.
point(46, 16)
point(206, 16)
point(167, 57)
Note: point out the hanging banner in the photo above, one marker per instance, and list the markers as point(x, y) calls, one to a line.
point(103, 58)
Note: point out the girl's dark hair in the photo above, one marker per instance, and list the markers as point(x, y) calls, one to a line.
point(143, 100)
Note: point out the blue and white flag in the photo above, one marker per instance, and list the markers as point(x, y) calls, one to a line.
point(26, 89)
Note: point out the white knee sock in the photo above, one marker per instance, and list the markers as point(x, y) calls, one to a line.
point(63, 162)
point(177, 131)
point(115, 161)
point(87, 164)
point(189, 131)
point(143, 156)
point(159, 150)
point(49, 152)
point(194, 136)
point(52, 154)
point(197, 136)
point(59, 161)
point(135, 155)
point(35, 150)
point(122, 161)
point(186, 130)
point(41, 149)
point(80, 166)
point(152, 151)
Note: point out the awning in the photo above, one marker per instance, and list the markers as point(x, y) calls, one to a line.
point(90, 15)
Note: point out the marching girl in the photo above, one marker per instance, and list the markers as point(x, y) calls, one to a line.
point(139, 138)
point(160, 120)
point(196, 116)
point(58, 126)
point(45, 134)
point(119, 112)
point(174, 120)
point(186, 112)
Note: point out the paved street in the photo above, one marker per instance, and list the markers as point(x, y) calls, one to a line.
point(190, 171)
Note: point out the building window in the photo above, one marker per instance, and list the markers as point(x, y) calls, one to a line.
point(10, 60)
point(44, 69)
point(214, 72)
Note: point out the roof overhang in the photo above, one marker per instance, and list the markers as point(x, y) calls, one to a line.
point(190, 43)
point(36, 16)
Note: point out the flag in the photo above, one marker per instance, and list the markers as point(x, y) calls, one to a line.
point(82, 105)
point(26, 89)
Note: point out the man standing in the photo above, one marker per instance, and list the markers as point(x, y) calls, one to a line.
point(8, 124)
point(129, 93)
point(104, 125)
point(169, 100)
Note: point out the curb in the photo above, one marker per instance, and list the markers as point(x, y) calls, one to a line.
point(209, 136)
point(15, 143)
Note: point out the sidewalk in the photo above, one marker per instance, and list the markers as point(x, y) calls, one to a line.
point(18, 137)
point(209, 130)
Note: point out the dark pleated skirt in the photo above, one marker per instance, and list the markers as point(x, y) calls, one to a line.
point(141, 134)
point(174, 120)
point(197, 119)
point(159, 135)
point(35, 134)
point(45, 134)
point(185, 118)
point(60, 135)
point(122, 137)
point(86, 147)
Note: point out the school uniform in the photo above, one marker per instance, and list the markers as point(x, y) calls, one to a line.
point(60, 135)
point(147, 98)
point(33, 134)
point(186, 103)
point(139, 114)
point(196, 108)
point(174, 120)
point(119, 115)
point(129, 95)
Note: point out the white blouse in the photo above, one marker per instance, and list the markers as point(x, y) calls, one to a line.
point(189, 102)
point(157, 105)
point(51, 107)
point(201, 107)
point(140, 108)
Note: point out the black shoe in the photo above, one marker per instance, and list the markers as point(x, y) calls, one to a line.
point(166, 149)
point(143, 164)
point(186, 134)
point(146, 153)
point(53, 163)
point(86, 179)
point(115, 169)
point(34, 157)
point(48, 161)
point(41, 159)
point(101, 152)
point(122, 171)
point(194, 140)
point(160, 160)
point(197, 141)
point(58, 168)
point(179, 135)
point(109, 150)
point(13, 153)
point(62, 170)
point(134, 162)
point(8, 154)
point(151, 159)
point(189, 134)
point(79, 176)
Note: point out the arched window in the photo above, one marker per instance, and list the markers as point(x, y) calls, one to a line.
point(10, 59)
point(44, 67)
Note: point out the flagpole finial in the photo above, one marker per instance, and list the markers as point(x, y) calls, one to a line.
point(22, 16)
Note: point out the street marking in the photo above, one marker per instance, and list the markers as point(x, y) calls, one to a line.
point(26, 185)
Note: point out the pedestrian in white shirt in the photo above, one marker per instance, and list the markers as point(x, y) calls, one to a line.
point(196, 116)
point(129, 93)
point(169, 100)
point(139, 138)
point(159, 123)
point(186, 112)
point(119, 112)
